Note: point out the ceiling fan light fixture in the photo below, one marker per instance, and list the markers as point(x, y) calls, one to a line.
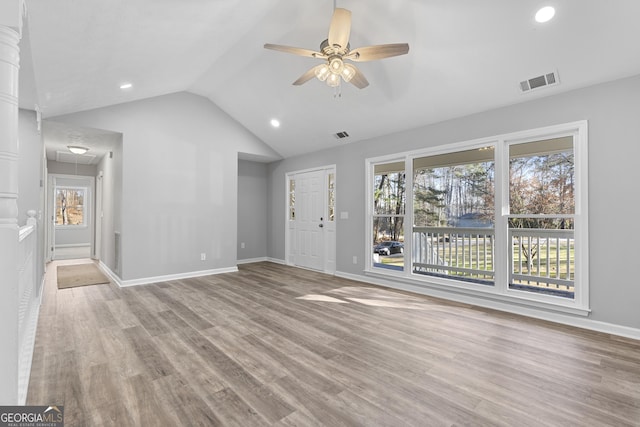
point(75, 149)
point(348, 72)
point(322, 72)
point(336, 65)
point(336, 49)
point(333, 80)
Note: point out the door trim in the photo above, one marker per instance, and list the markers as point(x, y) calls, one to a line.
point(52, 180)
point(329, 249)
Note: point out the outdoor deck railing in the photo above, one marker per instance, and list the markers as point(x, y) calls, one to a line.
point(540, 259)
point(465, 253)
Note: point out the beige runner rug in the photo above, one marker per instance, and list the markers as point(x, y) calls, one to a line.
point(70, 276)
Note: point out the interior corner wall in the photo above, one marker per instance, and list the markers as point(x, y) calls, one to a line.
point(29, 165)
point(179, 183)
point(252, 210)
point(612, 111)
point(31, 179)
point(111, 168)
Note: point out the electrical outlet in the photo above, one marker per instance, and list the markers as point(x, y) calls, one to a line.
point(242, 245)
point(203, 256)
point(355, 259)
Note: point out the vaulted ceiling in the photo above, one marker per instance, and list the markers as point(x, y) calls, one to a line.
point(465, 56)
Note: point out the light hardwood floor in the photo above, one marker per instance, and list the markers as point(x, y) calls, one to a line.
point(274, 345)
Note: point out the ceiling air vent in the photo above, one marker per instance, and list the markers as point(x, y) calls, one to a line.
point(81, 159)
point(539, 82)
point(341, 135)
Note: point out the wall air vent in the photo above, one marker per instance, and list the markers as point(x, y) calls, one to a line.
point(538, 82)
point(341, 135)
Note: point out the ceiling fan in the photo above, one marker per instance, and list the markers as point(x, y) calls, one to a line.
point(336, 49)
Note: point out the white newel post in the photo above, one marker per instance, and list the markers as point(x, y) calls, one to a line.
point(11, 13)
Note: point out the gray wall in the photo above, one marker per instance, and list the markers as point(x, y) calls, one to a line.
point(179, 188)
point(252, 210)
point(111, 168)
point(63, 168)
point(612, 110)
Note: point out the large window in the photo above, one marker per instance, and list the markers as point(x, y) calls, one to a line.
point(453, 215)
point(504, 215)
point(389, 200)
point(70, 206)
point(541, 216)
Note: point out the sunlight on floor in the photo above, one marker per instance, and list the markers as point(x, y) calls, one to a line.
point(372, 297)
point(323, 298)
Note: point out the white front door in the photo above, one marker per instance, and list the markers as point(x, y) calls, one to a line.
point(309, 220)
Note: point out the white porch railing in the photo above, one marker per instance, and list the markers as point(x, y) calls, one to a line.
point(463, 253)
point(540, 260)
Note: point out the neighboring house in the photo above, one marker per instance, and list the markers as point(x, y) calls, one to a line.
point(471, 220)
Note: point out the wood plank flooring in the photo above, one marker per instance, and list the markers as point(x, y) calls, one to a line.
point(274, 345)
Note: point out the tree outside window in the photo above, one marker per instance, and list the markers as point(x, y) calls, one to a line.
point(70, 208)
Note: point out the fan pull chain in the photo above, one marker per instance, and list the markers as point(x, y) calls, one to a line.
point(337, 94)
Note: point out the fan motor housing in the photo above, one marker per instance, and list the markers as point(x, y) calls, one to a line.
point(333, 50)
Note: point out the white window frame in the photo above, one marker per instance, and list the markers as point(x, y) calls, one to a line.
point(500, 291)
point(370, 214)
point(85, 197)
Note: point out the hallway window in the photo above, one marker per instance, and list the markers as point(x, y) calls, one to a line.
point(70, 208)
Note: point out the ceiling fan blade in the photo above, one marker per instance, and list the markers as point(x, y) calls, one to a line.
point(295, 50)
point(340, 28)
point(371, 53)
point(307, 76)
point(358, 79)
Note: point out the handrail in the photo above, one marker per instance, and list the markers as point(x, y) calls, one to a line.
point(24, 232)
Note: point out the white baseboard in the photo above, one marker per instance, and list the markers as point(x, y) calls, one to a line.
point(556, 317)
point(276, 261)
point(110, 274)
point(252, 260)
point(147, 280)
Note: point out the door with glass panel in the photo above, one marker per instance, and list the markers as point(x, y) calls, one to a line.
point(311, 220)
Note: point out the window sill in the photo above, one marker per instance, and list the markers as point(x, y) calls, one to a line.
point(482, 295)
point(70, 227)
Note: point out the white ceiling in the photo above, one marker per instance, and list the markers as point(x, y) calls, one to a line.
point(59, 136)
point(465, 56)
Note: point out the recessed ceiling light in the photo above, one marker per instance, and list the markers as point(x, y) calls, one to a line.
point(275, 123)
point(545, 14)
point(126, 86)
